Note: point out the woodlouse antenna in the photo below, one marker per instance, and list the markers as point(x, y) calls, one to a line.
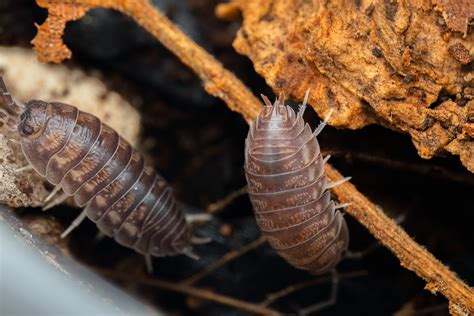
point(13, 105)
point(304, 104)
point(267, 102)
point(7, 119)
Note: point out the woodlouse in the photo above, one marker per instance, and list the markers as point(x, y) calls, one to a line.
point(88, 160)
point(288, 189)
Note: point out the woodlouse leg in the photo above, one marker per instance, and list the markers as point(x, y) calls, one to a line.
point(323, 123)
point(149, 264)
point(75, 223)
point(202, 217)
point(362, 253)
point(339, 182)
point(24, 168)
point(15, 141)
point(53, 193)
point(331, 301)
point(339, 206)
point(58, 200)
point(99, 236)
point(188, 252)
point(200, 240)
point(325, 159)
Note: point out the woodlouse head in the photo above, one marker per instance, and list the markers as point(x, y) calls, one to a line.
point(33, 119)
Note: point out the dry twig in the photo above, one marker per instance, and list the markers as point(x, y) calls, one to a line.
point(228, 257)
point(275, 296)
point(223, 84)
point(193, 291)
point(220, 205)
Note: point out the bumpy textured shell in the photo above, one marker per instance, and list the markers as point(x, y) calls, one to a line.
point(288, 189)
point(121, 193)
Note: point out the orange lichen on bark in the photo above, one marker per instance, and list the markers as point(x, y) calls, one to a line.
point(49, 43)
point(218, 81)
point(350, 107)
point(383, 62)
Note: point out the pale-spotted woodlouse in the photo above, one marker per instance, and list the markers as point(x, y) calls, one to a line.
point(88, 160)
point(288, 189)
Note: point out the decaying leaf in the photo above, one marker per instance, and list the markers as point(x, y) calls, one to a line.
point(383, 62)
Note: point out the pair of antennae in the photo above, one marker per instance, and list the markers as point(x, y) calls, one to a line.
point(10, 105)
point(280, 100)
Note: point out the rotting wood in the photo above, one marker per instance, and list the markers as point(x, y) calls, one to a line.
point(393, 63)
point(223, 84)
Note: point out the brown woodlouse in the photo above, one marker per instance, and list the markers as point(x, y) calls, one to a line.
point(288, 189)
point(88, 160)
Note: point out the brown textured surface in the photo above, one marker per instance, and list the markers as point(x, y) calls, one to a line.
point(456, 13)
point(385, 62)
point(288, 189)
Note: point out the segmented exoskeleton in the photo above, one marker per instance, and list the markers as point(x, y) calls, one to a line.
point(88, 160)
point(288, 189)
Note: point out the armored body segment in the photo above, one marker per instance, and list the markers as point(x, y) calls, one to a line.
point(288, 191)
point(120, 192)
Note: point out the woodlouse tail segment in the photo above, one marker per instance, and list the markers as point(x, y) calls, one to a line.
point(339, 182)
point(321, 125)
point(12, 105)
